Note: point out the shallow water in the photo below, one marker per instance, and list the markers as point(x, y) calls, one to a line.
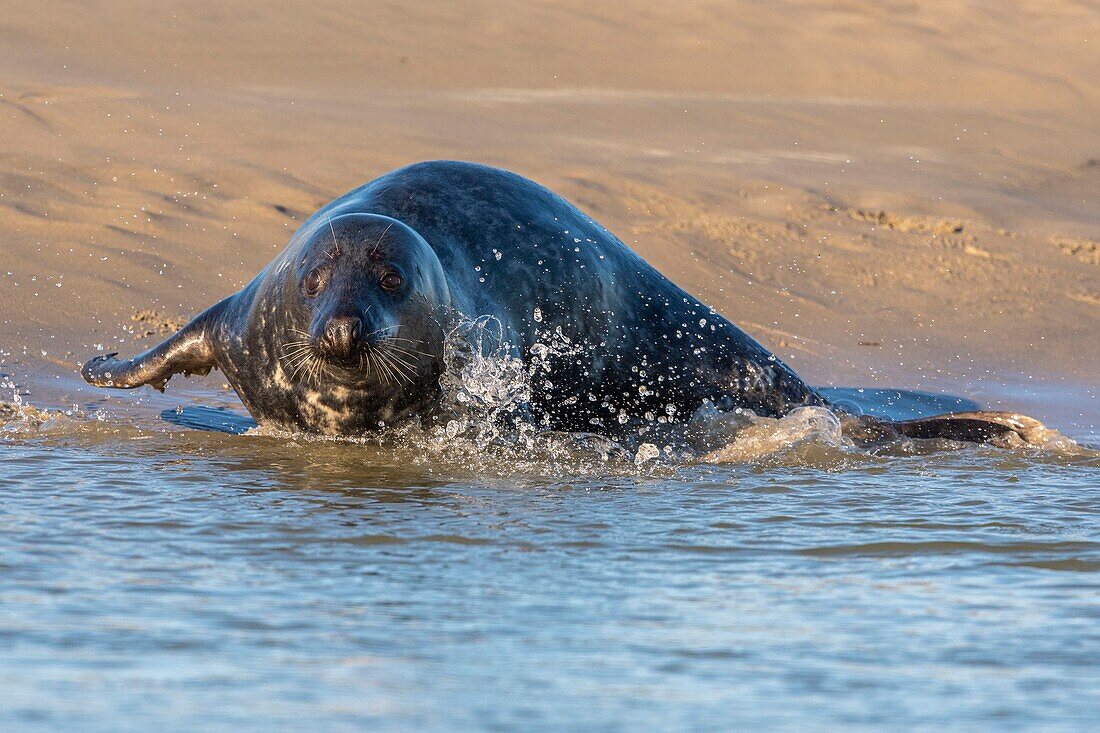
point(154, 576)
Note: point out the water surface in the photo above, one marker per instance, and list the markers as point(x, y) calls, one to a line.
point(158, 577)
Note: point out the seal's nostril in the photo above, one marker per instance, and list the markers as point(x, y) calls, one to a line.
point(342, 335)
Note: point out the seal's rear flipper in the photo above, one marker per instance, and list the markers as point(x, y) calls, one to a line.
point(187, 352)
point(1000, 428)
point(974, 427)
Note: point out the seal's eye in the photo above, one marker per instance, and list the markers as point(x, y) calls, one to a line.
point(312, 283)
point(391, 281)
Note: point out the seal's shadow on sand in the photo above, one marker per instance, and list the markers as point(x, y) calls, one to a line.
point(892, 404)
point(895, 404)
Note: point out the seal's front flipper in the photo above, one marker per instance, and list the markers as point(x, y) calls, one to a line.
point(187, 352)
point(999, 428)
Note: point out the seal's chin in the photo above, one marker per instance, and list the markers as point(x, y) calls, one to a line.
point(371, 366)
point(351, 369)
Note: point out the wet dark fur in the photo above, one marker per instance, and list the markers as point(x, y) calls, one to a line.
point(468, 239)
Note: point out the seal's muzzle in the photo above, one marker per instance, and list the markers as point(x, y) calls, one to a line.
point(341, 338)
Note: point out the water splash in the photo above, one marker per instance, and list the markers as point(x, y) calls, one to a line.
point(19, 419)
point(748, 436)
point(486, 392)
point(1042, 438)
point(485, 419)
point(16, 416)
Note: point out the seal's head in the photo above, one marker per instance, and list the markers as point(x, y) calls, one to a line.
point(372, 293)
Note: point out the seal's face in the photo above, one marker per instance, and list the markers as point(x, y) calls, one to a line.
point(371, 293)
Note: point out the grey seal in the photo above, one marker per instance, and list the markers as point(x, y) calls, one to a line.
point(344, 331)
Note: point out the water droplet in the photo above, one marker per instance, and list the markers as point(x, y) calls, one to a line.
point(646, 452)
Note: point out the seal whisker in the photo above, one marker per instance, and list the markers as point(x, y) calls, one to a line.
point(307, 359)
point(403, 368)
point(293, 354)
point(372, 363)
point(374, 249)
point(389, 340)
point(407, 351)
point(385, 372)
point(379, 330)
point(389, 367)
point(336, 252)
point(300, 365)
point(399, 359)
point(315, 371)
point(407, 360)
point(399, 375)
point(291, 358)
point(297, 356)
